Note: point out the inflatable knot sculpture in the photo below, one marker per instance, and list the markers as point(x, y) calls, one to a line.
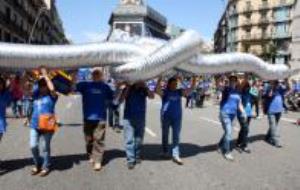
point(139, 58)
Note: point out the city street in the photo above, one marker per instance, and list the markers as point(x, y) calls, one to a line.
point(266, 168)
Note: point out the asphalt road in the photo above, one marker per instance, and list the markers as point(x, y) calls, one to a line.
point(266, 168)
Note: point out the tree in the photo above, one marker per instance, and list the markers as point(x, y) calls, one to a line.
point(269, 52)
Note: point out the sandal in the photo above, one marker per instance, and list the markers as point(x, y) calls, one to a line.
point(97, 167)
point(35, 171)
point(44, 172)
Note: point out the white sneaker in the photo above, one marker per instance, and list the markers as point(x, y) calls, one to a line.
point(229, 157)
point(178, 160)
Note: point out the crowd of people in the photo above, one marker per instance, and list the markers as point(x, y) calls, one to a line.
point(238, 96)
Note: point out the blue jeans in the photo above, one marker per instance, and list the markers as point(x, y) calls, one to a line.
point(225, 142)
point(35, 136)
point(274, 129)
point(134, 131)
point(17, 108)
point(114, 116)
point(27, 107)
point(243, 134)
point(175, 124)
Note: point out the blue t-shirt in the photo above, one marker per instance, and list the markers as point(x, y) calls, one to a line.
point(296, 87)
point(41, 105)
point(230, 101)
point(274, 104)
point(171, 104)
point(96, 97)
point(5, 99)
point(247, 103)
point(136, 104)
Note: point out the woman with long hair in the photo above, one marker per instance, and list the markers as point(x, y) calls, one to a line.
point(5, 99)
point(230, 104)
point(247, 98)
point(44, 100)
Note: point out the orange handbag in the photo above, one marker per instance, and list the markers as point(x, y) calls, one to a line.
point(47, 123)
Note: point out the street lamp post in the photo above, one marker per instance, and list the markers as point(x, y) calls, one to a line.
point(41, 10)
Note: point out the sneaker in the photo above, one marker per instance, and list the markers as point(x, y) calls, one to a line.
point(130, 165)
point(246, 149)
point(91, 161)
point(97, 166)
point(178, 160)
point(229, 157)
point(277, 145)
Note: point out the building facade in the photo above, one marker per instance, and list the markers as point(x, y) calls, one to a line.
point(261, 27)
point(174, 31)
point(138, 18)
point(34, 21)
point(296, 38)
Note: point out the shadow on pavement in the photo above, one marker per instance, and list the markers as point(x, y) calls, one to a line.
point(150, 152)
point(59, 163)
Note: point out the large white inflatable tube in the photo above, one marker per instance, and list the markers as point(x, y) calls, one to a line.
point(135, 58)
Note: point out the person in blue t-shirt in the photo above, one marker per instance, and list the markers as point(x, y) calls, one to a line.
point(230, 104)
point(44, 100)
point(135, 97)
point(171, 115)
point(114, 107)
point(247, 99)
point(5, 99)
point(274, 106)
point(96, 97)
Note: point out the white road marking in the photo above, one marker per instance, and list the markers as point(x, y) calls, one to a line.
point(210, 121)
point(150, 132)
point(288, 120)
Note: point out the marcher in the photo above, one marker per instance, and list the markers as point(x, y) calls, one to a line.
point(230, 104)
point(114, 107)
point(171, 115)
point(27, 101)
point(5, 99)
point(135, 120)
point(17, 95)
point(247, 99)
point(273, 99)
point(96, 97)
point(43, 123)
point(255, 93)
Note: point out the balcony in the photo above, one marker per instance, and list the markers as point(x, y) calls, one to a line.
point(285, 19)
point(264, 6)
point(233, 13)
point(248, 9)
point(284, 3)
point(264, 21)
point(282, 35)
point(256, 37)
point(247, 23)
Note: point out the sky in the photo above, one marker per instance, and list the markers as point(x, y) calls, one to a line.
point(87, 20)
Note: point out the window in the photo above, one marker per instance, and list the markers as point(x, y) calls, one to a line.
point(132, 28)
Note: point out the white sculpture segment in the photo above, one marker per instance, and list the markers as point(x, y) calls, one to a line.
point(139, 58)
